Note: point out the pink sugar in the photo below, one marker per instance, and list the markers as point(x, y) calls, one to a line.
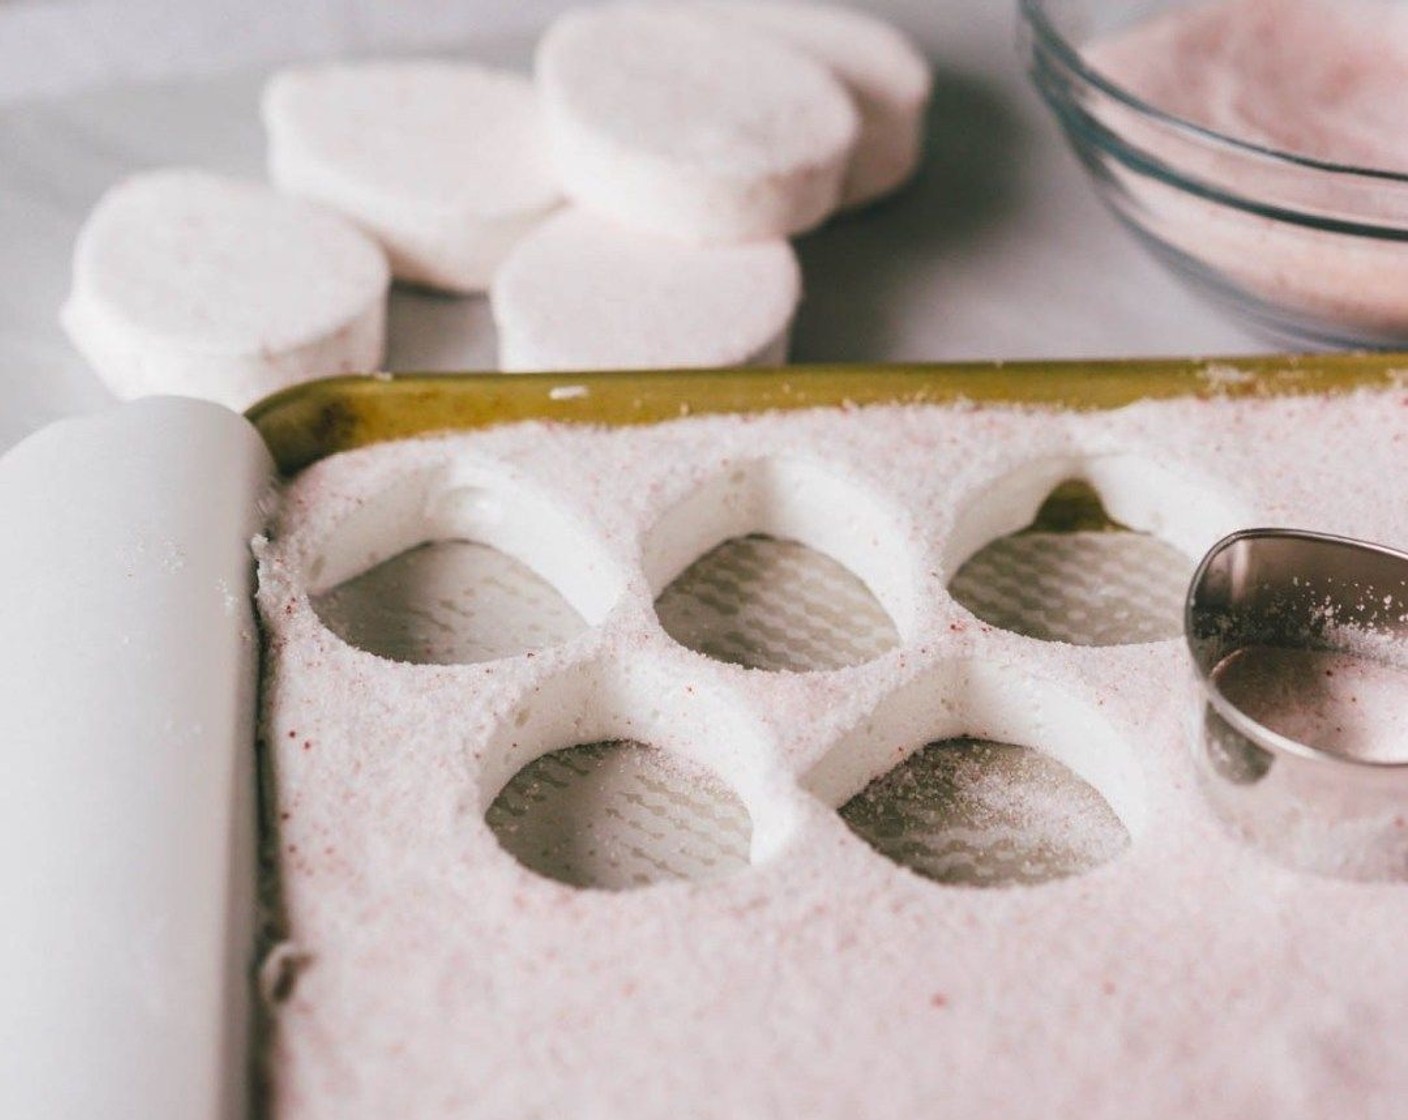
point(1321, 78)
point(1326, 79)
point(1189, 976)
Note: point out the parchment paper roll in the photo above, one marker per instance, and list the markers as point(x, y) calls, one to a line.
point(128, 658)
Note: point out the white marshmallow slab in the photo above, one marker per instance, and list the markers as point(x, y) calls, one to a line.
point(582, 293)
point(881, 67)
point(444, 163)
point(677, 124)
point(199, 285)
point(823, 981)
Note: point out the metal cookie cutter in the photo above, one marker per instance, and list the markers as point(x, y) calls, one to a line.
point(1314, 809)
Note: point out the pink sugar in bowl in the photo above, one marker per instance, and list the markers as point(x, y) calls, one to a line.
point(1259, 148)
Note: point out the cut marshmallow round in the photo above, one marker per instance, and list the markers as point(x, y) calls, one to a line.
point(678, 124)
point(581, 293)
point(202, 286)
point(880, 66)
point(444, 163)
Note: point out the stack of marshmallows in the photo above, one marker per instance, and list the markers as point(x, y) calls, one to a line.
point(628, 207)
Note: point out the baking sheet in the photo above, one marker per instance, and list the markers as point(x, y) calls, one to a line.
point(308, 422)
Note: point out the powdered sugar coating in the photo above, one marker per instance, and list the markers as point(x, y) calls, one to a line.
point(882, 70)
point(193, 284)
point(444, 163)
point(1188, 977)
point(678, 125)
point(582, 293)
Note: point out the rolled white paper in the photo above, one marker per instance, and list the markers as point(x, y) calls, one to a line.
point(128, 668)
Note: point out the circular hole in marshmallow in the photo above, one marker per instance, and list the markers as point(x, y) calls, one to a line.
point(689, 127)
point(574, 793)
point(198, 285)
point(1092, 552)
point(978, 775)
point(447, 603)
point(620, 815)
point(737, 575)
point(775, 605)
point(448, 567)
point(444, 163)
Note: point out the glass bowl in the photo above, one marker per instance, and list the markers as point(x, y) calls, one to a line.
point(1308, 252)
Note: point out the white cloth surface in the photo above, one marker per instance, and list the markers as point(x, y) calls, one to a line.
point(999, 249)
point(56, 47)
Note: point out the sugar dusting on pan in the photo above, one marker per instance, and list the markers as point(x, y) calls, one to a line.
point(438, 976)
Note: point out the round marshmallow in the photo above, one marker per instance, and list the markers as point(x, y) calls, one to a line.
point(581, 293)
point(445, 164)
point(880, 66)
point(682, 125)
point(193, 284)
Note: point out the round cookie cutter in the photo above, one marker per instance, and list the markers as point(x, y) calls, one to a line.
point(1305, 806)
